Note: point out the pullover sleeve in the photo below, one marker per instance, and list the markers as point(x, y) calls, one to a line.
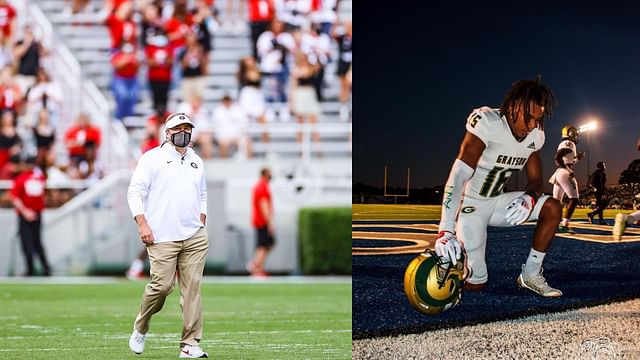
point(139, 186)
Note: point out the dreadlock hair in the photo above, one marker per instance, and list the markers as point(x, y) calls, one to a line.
point(522, 93)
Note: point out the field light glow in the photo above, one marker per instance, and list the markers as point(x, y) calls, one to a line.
point(588, 127)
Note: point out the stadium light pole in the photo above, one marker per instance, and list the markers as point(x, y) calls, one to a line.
point(588, 128)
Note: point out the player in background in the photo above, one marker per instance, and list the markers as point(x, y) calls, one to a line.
point(497, 143)
point(599, 185)
point(262, 218)
point(28, 197)
point(621, 222)
point(563, 179)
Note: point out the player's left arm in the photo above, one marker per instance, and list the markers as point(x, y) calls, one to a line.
point(461, 171)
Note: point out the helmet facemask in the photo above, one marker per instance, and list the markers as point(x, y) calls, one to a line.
point(433, 285)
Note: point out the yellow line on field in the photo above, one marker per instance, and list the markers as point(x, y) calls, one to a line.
point(423, 241)
point(400, 226)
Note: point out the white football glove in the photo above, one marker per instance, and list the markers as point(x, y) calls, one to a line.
point(519, 209)
point(448, 247)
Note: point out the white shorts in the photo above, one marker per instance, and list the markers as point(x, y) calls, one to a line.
point(474, 217)
point(564, 182)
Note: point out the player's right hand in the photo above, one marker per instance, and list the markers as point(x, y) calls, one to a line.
point(146, 235)
point(448, 247)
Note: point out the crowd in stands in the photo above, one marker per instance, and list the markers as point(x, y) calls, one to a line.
point(30, 105)
point(172, 43)
point(622, 196)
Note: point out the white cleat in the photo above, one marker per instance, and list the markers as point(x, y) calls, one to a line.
point(537, 284)
point(136, 342)
point(192, 352)
point(619, 226)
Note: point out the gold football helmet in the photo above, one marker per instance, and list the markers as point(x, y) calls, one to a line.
point(571, 133)
point(433, 285)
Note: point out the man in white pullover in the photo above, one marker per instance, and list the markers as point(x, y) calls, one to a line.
point(168, 200)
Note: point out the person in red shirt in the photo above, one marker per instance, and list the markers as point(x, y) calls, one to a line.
point(7, 22)
point(125, 85)
point(177, 28)
point(78, 135)
point(261, 14)
point(27, 195)
point(159, 62)
point(122, 27)
point(262, 219)
point(178, 25)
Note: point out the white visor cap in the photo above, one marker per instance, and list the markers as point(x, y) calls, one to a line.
point(176, 119)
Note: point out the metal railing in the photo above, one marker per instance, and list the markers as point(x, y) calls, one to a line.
point(81, 95)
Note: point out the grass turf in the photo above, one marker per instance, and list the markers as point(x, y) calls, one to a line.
point(242, 321)
point(432, 212)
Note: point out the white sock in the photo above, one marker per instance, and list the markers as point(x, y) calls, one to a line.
point(534, 262)
point(564, 222)
point(137, 265)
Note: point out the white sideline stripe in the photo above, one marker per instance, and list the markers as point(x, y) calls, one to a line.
point(171, 337)
point(205, 342)
point(89, 280)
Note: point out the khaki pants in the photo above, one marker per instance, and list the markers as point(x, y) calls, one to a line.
point(188, 258)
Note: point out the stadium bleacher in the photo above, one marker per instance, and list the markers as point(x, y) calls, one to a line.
point(88, 40)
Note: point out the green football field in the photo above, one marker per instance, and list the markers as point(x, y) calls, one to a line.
point(253, 320)
point(432, 212)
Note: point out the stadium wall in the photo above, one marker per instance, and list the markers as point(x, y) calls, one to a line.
point(94, 230)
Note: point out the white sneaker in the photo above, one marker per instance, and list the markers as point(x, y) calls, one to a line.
point(192, 352)
point(136, 342)
point(537, 284)
point(619, 226)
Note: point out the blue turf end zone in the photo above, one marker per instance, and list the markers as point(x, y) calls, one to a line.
point(588, 273)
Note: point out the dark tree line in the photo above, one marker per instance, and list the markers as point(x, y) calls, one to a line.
point(632, 174)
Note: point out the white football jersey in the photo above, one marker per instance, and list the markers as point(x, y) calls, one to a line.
point(503, 153)
point(570, 158)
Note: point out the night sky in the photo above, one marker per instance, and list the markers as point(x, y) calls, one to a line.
point(425, 67)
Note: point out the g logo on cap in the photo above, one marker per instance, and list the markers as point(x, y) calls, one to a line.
point(177, 119)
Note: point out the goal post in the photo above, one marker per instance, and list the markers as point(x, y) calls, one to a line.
point(386, 174)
